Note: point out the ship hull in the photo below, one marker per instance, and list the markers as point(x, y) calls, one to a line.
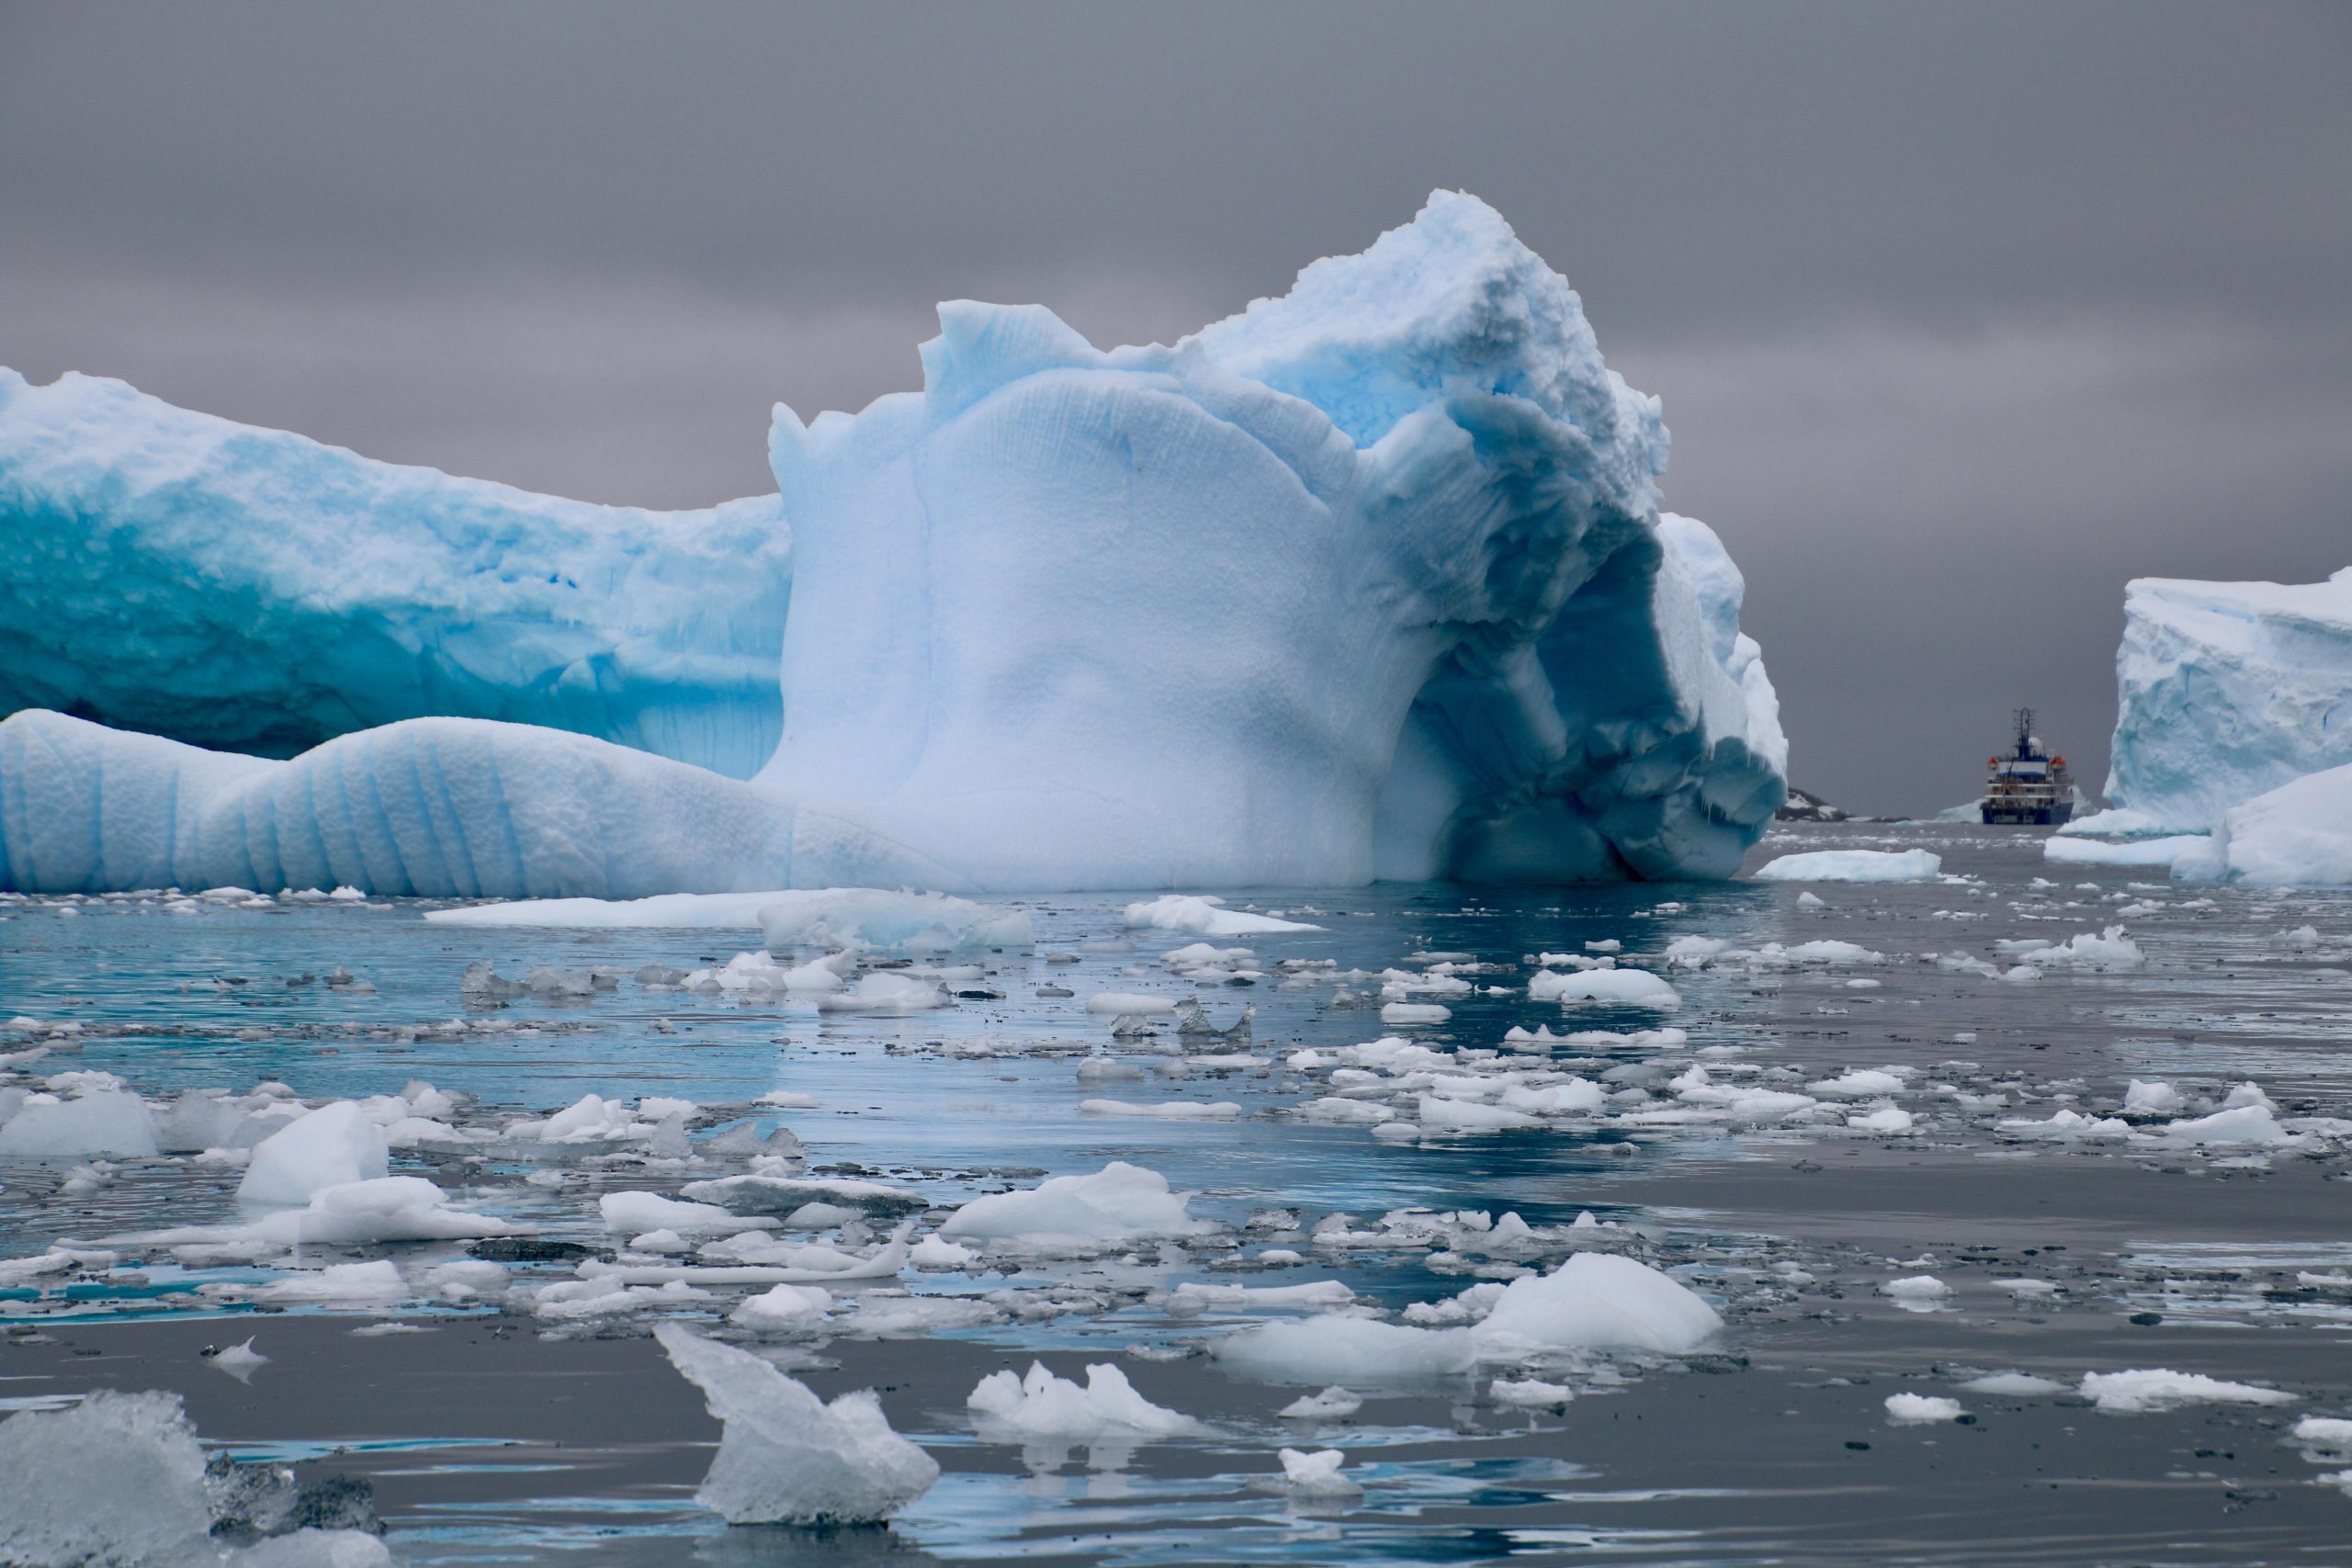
point(2056, 816)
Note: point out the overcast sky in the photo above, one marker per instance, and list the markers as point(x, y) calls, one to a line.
point(1962, 315)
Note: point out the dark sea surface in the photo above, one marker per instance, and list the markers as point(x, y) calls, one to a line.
point(492, 1433)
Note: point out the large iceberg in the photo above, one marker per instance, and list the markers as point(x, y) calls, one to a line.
point(169, 571)
point(1367, 580)
point(2226, 691)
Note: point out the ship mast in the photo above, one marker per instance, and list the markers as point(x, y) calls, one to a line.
point(2025, 732)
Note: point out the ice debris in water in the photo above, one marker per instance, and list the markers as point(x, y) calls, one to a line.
point(104, 1123)
point(1334, 1404)
point(1119, 1202)
point(1206, 915)
point(334, 1145)
point(1853, 865)
point(119, 1481)
point(1043, 1406)
point(786, 1457)
point(2159, 1388)
point(1626, 987)
point(1918, 1408)
point(1316, 1474)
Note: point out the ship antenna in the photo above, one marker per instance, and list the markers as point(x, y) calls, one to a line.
point(2025, 730)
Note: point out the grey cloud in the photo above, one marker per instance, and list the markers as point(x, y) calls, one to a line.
point(1962, 314)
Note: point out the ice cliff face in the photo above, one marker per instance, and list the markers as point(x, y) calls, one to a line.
point(2227, 691)
point(253, 590)
point(1368, 579)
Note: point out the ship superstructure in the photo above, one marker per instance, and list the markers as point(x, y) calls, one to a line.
point(2029, 786)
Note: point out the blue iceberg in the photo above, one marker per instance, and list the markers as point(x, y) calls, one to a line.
point(1367, 580)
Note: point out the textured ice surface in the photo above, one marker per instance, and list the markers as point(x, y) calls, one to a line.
point(1367, 579)
point(2298, 835)
point(255, 590)
point(2227, 691)
point(1043, 1406)
point(332, 1146)
point(108, 1122)
point(2159, 1388)
point(1852, 865)
point(1119, 1202)
point(869, 917)
point(1599, 1301)
point(788, 1457)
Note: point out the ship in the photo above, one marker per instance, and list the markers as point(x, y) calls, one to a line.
point(2029, 786)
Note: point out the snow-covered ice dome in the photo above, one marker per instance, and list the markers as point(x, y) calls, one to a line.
point(1368, 579)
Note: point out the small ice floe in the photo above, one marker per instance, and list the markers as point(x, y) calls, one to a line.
point(334, 1146)
point(1316, 1474)
point(1530, 1394)
point(239, 1362)
point(1853, 865)
point(1165, 1110)
point(784, 1307)
point(1334, 1404)
point(350, 1285)
point(2246, 1116)
point(786, 1457)
point(1862, 1083)
point(2158, 1387)
point(1407, 1014)
point(1204, 916)
point(1918, 1293)
point(1118, 1204)
point(2327, 1435)
point(2066, 1124)
point(2153, 1099)
point(883, 994)
point(1009, 1407)
point(2029, 1289)
point(1915, 1409)
point(1886, 1119)
point(1621, 987)
point(937, 1252)
point(634, 1213)
point(2109, 950)
point(1187, 1300)
point(2015, 1385)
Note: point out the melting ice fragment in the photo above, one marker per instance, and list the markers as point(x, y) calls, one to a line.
point(1853, 865)
point(1119, 1202)
point(786, 1457)
point(1043, 1406)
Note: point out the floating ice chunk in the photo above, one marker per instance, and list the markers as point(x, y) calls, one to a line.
point(1597, 1301)
point(1862, 1083)
point(1193, 1297)
point(1853, 865)
point(1335, 1349)
point(378, 1283)
point(1333, 1403)
point(1621, 987)
point(1316, 1474)
point(912, 923)
point(1119, 1202)
point(786, 1457)
point(117, 1479)
point(2014, 1385)
point(2238, 1124)
point(1885, 1119)
point(334, 1146)
point(1408, 1013)
point(784, 1307)
point(2130, 853)
point(2298, 835)
point(2066, 1123)
point(1812, 901)
point(1042, 1406)
point(385, 1208)
point(2331, 1433)
point(1205, 916)
point(2109, 950)
point(1530, 1394)
point(1130, 1004)
point(1445, 1115)
point(760, 1193)
point(108, 1124)
point(2158, 1387)
point(1919, 1408)
point(1916, 1289)
point(937, 1252)
point(884, 993)
point(2151, 1099)
point(1166, 1110)
point(239, 1360)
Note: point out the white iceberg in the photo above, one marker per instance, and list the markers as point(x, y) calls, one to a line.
point(1623, 987)
point(785, 1456)
point(2227, 691)
point(333, 1147)
point(104, 1125)
point(2159, 1388)
point(2298, 835)
point(1433, 626)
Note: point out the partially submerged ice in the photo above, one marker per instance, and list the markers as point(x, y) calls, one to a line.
point(1369, 580)
point(785, 1456)
point(2235, 720)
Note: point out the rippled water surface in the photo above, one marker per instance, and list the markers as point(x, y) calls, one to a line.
point(500, 1432)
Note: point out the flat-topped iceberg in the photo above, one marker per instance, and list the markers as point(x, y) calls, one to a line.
point(2226, 691)
point(1369, 580)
